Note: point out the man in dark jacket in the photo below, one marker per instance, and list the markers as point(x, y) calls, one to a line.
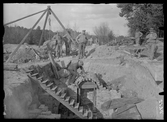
point(68, 43)
point(59, 44)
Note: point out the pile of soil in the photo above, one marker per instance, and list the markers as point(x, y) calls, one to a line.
point(24, 55)
point(102, 51)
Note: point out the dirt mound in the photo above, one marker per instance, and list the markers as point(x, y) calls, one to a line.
point(24, 55)
point(9, 48)
point(138, 79)
point(102, 51)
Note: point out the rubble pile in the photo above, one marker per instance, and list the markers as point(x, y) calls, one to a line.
point(9, 48)
point(24, 56)
point(102, 51)
point(132, 79)
point(120, 42)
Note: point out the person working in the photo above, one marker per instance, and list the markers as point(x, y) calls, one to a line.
point(72, 68)
point(151, 43)
point(138, 35)
point(59, 44)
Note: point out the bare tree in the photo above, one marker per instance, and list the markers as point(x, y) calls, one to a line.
point(75, 27)
point(103, 33)
point(68, 25)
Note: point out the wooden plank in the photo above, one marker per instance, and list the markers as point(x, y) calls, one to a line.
point(88, 85)
point(52, 116)
point(116, 103)
point(53, 64)
point(119, 102)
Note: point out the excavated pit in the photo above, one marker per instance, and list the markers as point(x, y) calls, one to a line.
point(24, 96)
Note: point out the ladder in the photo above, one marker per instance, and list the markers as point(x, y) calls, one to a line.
point(57, 93)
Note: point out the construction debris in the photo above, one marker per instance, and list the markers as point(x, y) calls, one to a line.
point(24, 56)
point(127, 112)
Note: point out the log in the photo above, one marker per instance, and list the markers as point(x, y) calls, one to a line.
point(11, 67)
point(116, 103)
point(129, 113)
point(53, 64)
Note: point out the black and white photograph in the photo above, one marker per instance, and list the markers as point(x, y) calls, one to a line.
point(83, 61)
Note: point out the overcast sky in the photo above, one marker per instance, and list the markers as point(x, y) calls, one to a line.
point(78, 16)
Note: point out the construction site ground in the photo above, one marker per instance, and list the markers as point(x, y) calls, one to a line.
point(111, 62)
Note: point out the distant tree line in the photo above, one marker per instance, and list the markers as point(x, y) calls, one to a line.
point(14, 35)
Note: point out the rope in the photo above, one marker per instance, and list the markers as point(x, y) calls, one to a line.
point(49, 19)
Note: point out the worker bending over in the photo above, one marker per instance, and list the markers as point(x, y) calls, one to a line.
point(72, 68)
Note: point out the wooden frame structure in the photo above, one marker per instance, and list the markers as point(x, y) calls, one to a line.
point(48, 11)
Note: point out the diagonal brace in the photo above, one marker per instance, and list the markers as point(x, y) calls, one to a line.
point(44, 26)
point(62, 25)
point(23, 40)
point(24, 17)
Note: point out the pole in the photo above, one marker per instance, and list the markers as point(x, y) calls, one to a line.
point(78, 95)
point(23, 40)
point(24, 17)
point(44, 27)
point(62, 25)
point(53, 64)
point(94, 99)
